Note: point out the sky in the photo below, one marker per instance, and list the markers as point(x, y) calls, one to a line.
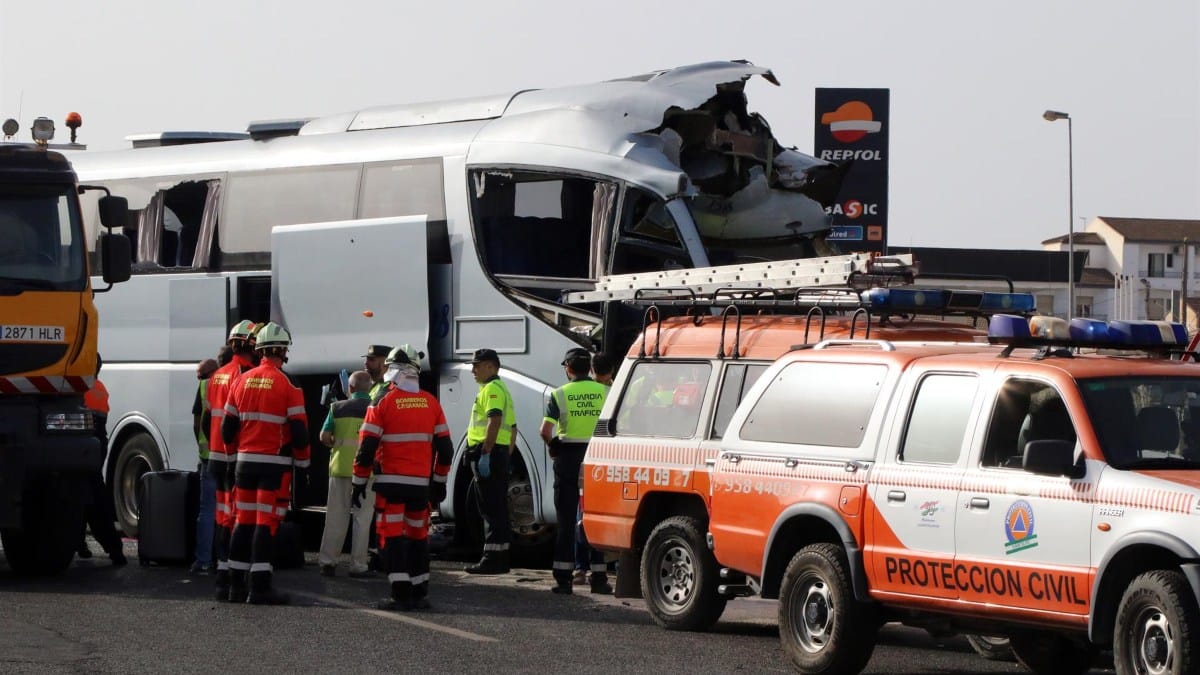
point(973, 164)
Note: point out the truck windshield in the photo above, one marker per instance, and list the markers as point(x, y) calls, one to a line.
point(1146, 422)
point(41, 238)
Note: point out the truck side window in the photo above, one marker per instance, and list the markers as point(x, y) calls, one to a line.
point(937, 421)
point(739, 378)
point(1025, 411)
point(663, 399)
point(826, 404)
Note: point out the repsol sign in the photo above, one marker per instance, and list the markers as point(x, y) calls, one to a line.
point(852, 127)
point(998, 582)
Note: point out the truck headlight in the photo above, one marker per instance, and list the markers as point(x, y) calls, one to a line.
point(79, 421)
point(43, 129)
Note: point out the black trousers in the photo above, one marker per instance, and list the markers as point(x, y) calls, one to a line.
point(566, 505)
point(253, 543)
point(403, 528)
point(99, 516)
point(493, 499)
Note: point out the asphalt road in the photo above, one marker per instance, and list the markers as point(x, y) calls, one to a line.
point(100, 619)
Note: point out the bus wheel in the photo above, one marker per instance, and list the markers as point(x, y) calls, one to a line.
point(51, 528)
point(680, 576)
point(138, 456)
point(822, 627)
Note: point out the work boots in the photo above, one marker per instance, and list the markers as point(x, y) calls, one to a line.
point(222, 585)
point(237, 586)
point(261, 592)
point(600, 585)
point(495, 563)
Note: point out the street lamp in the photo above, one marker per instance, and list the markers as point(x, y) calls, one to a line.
point(1054, 116)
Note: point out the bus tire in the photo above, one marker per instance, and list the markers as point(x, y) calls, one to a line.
point(51, 528)
point(138, 456)
point(822, 628)
point(680, 576)
point(1156, 624)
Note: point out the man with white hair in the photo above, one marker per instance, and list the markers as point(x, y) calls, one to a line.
point(340, 433)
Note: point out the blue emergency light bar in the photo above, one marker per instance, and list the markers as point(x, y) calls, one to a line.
point(940, 301)
point(1051, 331)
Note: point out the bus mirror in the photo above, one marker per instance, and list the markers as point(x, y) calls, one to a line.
point(114, 212)
point(116, 256)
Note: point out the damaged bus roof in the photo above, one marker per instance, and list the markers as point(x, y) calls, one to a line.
point(685, 130)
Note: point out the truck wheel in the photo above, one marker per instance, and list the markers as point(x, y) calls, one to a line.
point(822, 627)
point(1155, 624)
point(680, 576)
point(991, 647)
point(50, 532)
point(1052, 654)
point(138, 456)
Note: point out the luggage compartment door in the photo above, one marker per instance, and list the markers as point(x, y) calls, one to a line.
point(340, 286)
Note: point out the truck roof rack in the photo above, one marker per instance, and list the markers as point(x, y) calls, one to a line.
point(858, 270)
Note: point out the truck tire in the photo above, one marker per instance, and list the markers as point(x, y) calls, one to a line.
point(138, 456)
point(1155, 628)
point(991, 647)
point(50, 532)
point(823, 629)
point(1052, 654)
point(680, 576)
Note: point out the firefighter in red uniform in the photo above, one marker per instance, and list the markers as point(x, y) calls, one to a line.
point(262, 403)
point(221, 460)
point(400, 437)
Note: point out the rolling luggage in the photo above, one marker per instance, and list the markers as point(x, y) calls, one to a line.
point(168, 504)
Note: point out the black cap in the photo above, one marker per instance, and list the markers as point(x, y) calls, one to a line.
point(485, 354)
point(576, 353)
point(378, 350)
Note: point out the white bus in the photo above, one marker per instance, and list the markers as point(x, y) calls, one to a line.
point(452, 226)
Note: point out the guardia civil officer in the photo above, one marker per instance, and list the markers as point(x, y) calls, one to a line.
point(570, 419)
point(262, 402)
point(403, 436)
point(490, 436)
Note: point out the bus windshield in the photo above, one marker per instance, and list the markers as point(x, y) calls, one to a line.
point(41, 238)
point(1146, 422)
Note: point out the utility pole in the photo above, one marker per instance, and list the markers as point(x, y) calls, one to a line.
point(1183, 295)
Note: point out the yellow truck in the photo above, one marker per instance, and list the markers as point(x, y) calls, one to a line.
point(48, 359)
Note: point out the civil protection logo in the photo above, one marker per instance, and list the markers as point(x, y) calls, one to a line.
point(851, 121)
point(1018, 527)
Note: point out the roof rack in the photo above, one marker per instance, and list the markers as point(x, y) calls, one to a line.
point(857, 270)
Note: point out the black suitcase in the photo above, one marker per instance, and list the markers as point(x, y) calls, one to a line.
point(168, 504)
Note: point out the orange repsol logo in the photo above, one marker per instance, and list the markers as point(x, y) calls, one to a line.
point(984, 580)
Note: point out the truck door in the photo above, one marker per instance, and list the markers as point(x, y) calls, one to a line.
point(1023, 539)
point(339, 286)
point(915, 487)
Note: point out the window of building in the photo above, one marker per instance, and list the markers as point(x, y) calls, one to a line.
point(937, 421)
point(663, 399)
point(1157, 266)
point(816, 404)
point(1083, 306)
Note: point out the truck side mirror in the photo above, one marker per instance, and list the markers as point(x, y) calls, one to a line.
point(116, 257)
point(1052, 458)
point(114, 212)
